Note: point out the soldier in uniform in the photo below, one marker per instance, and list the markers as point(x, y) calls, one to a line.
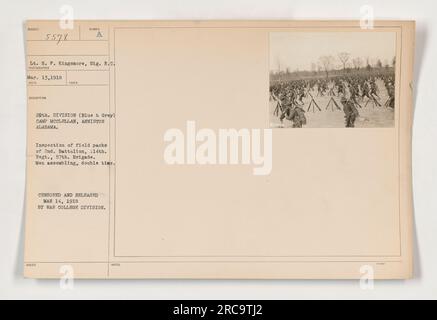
point(301, 94)
point(391, 96)
point(374, 92)
point(354, 93)
point(374, 89)
point(277, 101)
point(340, 88)
point(287, 106)
point(365, 91)
point(297, 116)
point(350, 112)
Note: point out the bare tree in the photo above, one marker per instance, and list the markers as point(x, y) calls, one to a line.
point(344, 58)
point(357, 62)
point(379, 64)
point(327, 62)
point(368, 66)
point(278, 64)
point(313, 67)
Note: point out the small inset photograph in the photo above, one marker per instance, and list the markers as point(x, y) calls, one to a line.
point(332, 79)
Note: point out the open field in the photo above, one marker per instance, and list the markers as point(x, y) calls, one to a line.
point(371, 116)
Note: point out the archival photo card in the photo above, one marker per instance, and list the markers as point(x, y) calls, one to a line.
point(332, 79)
point(151, 152)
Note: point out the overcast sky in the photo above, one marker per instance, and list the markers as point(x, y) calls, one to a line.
point(297, 50)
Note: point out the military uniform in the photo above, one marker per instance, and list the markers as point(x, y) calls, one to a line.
point(350, 113)
point(297, 116)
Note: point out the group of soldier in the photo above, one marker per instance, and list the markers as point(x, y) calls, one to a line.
point(351, 90)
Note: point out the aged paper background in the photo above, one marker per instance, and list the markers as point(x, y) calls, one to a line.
point(336, 199)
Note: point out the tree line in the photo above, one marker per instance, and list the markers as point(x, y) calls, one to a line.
point(341, 63)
